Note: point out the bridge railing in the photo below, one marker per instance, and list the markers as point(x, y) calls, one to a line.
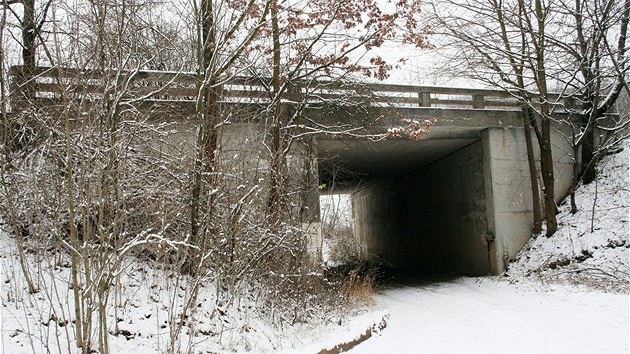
point(50, 84)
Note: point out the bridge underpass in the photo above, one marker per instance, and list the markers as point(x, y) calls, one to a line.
point(455, 202)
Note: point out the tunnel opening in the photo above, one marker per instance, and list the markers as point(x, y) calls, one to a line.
point(339, 244)
point(418, 208)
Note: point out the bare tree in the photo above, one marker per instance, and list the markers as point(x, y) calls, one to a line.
point(31, 24)
point(597, 77)
point(528, 47)
point(86, 163)
point(312, 45)
point(224, 33)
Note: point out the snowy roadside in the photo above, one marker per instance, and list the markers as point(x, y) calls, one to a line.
point(355, 330)
point(489, 315)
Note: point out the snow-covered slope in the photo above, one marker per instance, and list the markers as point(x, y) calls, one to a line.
point(591, 246)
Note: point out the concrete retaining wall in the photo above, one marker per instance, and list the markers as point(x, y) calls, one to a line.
point(508, 188)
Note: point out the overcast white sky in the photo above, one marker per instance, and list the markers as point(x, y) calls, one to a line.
point(421, 68)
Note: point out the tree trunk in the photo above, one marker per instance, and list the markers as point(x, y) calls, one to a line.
point(207, 136)
point(29, 36)
point(533, 173)
point(546, 166)
point(546, 158)
point(276, 138)
point(587, 155)
point(575, 181)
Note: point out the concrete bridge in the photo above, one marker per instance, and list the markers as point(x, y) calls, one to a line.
point(457, 200)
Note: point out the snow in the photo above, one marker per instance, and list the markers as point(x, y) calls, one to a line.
point(492, 316)
point(146, 309)
point(152, 301)
point(336, 208)
point(591, 246)
point(563, 294)
point(350, 331)
point(338, 247)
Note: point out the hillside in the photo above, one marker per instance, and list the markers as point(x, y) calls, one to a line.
point(591, 246)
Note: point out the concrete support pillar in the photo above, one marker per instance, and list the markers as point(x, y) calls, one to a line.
point(509, 201)
point(309, 203)
point(424, 99)
point(478, 101)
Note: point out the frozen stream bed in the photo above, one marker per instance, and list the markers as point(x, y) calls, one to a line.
point(491, 315)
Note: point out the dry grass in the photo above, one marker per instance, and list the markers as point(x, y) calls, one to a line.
point(359, 285)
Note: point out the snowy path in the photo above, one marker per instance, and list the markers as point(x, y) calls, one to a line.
point(490, 316)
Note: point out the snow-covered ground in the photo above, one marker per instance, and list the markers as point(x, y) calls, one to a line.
point(147, 314)
point(564, 294)
point(487, 315)
point(144, 315)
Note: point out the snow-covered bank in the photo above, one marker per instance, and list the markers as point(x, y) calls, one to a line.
point(145, 314)
point(488, 315)
point(591, 246)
